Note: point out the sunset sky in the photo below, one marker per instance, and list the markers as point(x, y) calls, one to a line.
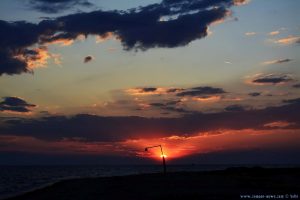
point(97, 81)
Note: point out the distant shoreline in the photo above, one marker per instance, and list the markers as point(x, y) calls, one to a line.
point(219, 184)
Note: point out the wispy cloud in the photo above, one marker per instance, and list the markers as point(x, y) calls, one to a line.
point(235, 108)
point(270, 79)
point(201, 91)
point(274, 33)
point(207, 98)
point(250, 33)
point(62, 40)
point(254, 94)
point(288, 40)
point(279, 61)
point(278, 124)
point(50, 6)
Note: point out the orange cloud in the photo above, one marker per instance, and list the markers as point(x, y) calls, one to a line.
point(219, 21)
point(241, 2)
point(234, 99)
point(9, 112)
point(278, 124)
point(36, 58)
point(62, 41)
point(288, 40)
point(104, 37)
point(207, 99)
point(144, 106)
point(274, 33)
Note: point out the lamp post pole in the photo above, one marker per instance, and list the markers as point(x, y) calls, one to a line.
point(162, 155)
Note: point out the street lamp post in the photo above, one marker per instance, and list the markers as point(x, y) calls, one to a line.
point(162, 155)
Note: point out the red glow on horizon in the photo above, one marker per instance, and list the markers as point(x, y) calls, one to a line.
point(173, 146)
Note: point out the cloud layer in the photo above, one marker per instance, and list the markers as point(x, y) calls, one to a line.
point(98, 128)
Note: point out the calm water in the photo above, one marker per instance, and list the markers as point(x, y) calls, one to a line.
point(19, 179)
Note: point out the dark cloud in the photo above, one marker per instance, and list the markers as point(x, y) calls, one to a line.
point(144, 91)
point(148, 89)
point(157, 104)
point(168, 103)
point(178, 110)
point(173, 90)
point(139, 29)
point(176, 102)
point(15, 104)
point(15, 38)
point(88, 59)
point(283, 61)
point(142, 29)
point(235, 108)
point(172, 106)
point(272, 79)
point(296, 85)
point(45, 113)
point(280, 61)
point(200, 91)
point(292, 101)
point(98, 128)
point(55, 6)
point(254, 94)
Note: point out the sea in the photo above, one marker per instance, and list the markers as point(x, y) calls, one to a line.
point(15, 180)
